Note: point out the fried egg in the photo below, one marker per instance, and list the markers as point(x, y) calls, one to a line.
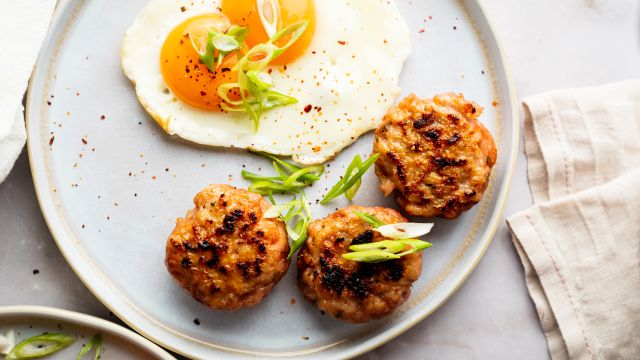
point(343, 71)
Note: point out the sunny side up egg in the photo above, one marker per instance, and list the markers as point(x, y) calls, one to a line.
point(343, 71)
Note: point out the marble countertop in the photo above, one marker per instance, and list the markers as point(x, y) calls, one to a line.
point(551, 44)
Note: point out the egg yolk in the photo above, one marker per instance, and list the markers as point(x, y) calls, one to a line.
point(189, 79)
point(286, 12)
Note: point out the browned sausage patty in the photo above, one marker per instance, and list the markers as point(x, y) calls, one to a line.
point(435, 155)
point(348, 290)
point(224, 252)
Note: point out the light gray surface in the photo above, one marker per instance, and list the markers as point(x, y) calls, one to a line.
point(578, 43)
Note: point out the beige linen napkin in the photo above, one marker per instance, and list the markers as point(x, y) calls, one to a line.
point(580, 242)
point(23, 26)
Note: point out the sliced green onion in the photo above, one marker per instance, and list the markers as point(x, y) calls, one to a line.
point(351, 193)
point(267, 52)
point(401, 245)
point(238, 32)
point(225, 43)
point(391, 246)
point(253, 84)
point(372, 220)
point(354, 173)
point(219, 45)
point(39, 346)
point(95, 342)
point(265, 187)
point(370, 256)
point(415, 246)
point(261, 79)
point(297, 215)
point(255, 177)
point(269, 12)
point(294, 179)
point(291, 178)
point(291, 168)
point(385, 250)
point(404, 230)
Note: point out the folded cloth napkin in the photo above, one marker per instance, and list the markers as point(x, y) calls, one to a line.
point(23, 26)
point(580, 242)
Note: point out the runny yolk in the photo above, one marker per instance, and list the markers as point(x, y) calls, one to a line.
point(245, 13)
point(188, 78)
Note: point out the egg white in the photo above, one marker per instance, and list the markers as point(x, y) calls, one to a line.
point(349, 75)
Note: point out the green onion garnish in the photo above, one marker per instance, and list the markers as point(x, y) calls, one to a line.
point(39, 346)
point(291, 178)
point(219, 45)
point(389, 249)
point(254, 84)
point(95, 342)
point(350, 182)
point(296, 214)
point(385, 250)
point(372, 220)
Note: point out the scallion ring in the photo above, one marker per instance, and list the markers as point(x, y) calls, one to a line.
point(297, 215)
point(291, 178)
point(40, 345)
point(352, 176)
point(94, 343)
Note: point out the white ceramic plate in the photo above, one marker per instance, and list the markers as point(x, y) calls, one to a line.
point(111, 188)
point(117, 342)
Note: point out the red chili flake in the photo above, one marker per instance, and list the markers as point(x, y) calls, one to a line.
point(49, 103)
point(421, 31)
point(202, 93)
point(154, 177)
point(102, 117)
point(342, 42)
point(84, 141)
point(51, 140)
point(308, 108)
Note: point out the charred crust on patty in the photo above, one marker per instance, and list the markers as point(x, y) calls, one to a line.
point(363, 238)
point(234, 256)
point(350, 290)
point(229, 222)
point(433, 151)
point(423, 120)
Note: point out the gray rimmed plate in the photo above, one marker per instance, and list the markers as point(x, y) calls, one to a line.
point(111, 183)
point(117, 342)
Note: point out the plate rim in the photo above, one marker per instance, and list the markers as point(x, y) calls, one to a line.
point(90, 321)
point(385, 336)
